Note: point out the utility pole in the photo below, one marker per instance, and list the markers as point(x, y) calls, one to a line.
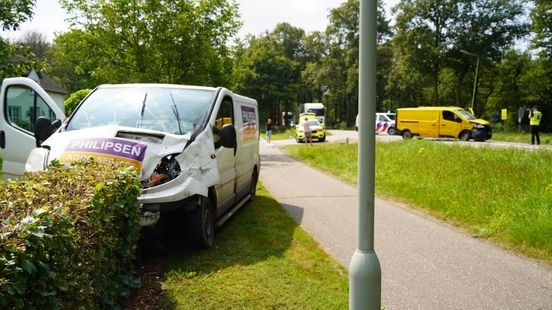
point(364, 269)
point(475, 79)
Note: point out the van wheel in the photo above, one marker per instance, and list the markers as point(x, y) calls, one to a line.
point(322, 139)
point(298, 140)
point(406, 134)
point(200, 224)
point(465, 135)
point(253, 186)
point(391, 131)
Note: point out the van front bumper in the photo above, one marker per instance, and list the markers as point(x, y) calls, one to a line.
point(482, 134)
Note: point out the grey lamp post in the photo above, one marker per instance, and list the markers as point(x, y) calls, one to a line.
point(475, 79)
point(364, 269)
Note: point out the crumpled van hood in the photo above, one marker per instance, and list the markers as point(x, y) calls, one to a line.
point(141, 148)
point(480, 121)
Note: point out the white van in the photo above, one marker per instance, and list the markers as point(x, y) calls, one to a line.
point(22, 101)
point(197, 149)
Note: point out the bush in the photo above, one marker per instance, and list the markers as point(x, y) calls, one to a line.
point(74, 99)
point(68, 237)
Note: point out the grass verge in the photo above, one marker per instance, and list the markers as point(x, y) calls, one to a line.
point(262, 260)
point(521, 137)
point(501, 194)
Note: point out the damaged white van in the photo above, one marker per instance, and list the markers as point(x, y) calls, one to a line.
point(197, 149)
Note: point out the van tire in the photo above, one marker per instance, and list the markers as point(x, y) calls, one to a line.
point(200, 225)
point(465, 136)
point(298, 140)
point(406, 134)
point(391, 131)
point(322, 139)
point(253, 186)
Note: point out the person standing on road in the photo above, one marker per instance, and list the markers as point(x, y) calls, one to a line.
point(268, 130)
point(534, 120)
point(307, 131)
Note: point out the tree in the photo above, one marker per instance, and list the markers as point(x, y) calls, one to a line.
point(269, 69)
point(431, 34)
point(37, 44)
point(180, 41)
point(542, 26)
point(337, 71)
point(14, 58)
point(15, 12)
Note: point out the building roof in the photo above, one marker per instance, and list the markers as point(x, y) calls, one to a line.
point(46, 82)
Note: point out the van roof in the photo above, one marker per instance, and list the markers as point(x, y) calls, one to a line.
point(432, 108)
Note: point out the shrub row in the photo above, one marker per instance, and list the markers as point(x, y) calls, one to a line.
point(68, 237)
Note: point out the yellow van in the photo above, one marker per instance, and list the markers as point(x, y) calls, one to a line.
point(436, 122)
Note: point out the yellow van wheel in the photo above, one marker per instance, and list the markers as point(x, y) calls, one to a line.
point(406, 134)
point(465, 135)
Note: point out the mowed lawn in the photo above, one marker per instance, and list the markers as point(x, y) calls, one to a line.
point(501, 194)
point(262, 259)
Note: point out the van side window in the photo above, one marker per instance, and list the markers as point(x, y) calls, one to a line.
point(24, 106)
point(225, 114)
point(450, 116)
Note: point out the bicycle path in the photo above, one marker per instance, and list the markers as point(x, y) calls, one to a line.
point(426, 264)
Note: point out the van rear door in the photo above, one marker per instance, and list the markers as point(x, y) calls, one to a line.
point(23, 101)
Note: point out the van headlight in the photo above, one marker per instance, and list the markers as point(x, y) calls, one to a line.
point(167, 169)
point(37, 160)
point(478, 126)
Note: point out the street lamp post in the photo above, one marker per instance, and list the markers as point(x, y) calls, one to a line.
point(475, 79)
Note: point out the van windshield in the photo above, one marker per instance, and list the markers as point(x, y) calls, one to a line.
point(172, 110)
point(466, 115)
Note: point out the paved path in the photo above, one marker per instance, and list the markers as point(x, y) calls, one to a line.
point(426, 264)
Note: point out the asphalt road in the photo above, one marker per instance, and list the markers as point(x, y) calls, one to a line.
point(426, 264)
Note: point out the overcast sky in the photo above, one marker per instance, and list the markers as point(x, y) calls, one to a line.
point(257, 15)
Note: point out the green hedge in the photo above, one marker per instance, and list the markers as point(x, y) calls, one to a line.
point(68, 237)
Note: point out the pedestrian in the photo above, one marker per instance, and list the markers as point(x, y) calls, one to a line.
point(307, 131)
point(268, 130)
point(534, 120)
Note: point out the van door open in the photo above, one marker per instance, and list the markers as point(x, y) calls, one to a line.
point(23, 101)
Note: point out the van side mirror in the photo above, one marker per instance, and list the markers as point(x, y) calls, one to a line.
point(226, 137)
point(44, 128)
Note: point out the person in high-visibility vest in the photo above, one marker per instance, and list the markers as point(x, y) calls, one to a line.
point(534, 120)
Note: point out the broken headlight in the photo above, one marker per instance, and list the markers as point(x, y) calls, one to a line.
point(165, 171)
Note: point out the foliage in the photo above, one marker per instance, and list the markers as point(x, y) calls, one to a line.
point(263, 260)
point(430, 36)
point(487, 199)
point(15, 59)
point(542, 26)
point(68, 236)
point(180, 42)
point(269, 69)
point(74, 99)
point(15, 12)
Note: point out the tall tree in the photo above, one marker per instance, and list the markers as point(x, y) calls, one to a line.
point(180, 41)
point(37, 43)
point(14, 58)
point(338, 70)
point(430, 35)
point(269, 67)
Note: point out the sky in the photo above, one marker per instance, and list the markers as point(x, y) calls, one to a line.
point(258, 16)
